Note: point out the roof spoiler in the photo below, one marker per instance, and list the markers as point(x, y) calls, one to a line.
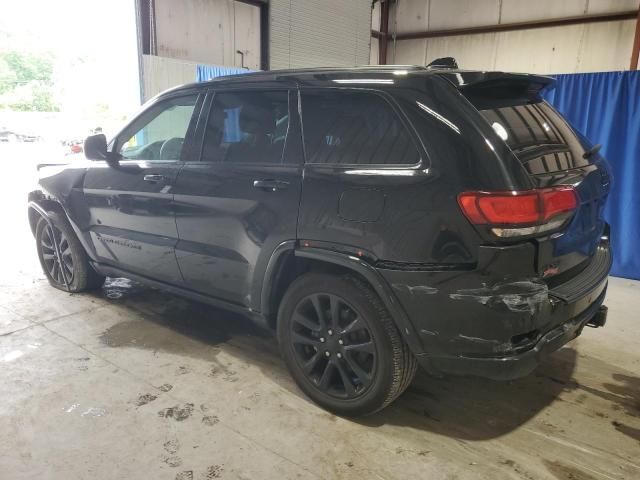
point(443, 62)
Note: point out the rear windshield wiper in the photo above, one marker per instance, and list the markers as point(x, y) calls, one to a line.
point(592, 151)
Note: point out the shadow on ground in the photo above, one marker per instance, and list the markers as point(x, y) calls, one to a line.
point(471, 408)
point(625, 398)
point(458, 407)
point(179, 326)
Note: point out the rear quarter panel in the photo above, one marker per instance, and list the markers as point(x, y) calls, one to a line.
point(410, 214)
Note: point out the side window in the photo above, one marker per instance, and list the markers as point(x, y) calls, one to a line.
point(247, 127)
point(159, 133)
point(356, 128)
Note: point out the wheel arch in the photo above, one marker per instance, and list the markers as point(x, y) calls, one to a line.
point(292, 262)
point(38, 208)
point(40, 203)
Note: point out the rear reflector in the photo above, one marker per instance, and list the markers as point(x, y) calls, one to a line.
point(520, 209)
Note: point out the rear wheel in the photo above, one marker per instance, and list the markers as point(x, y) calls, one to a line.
point(341, 346)
point(71, 264)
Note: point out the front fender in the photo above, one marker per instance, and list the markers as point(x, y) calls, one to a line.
point(60, 188)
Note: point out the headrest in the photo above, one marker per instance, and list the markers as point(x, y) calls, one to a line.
point(256, 120)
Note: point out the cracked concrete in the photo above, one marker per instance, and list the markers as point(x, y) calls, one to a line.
point(130, 382)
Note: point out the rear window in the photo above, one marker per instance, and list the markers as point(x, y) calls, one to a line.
point(538, 135)
point(354, 128)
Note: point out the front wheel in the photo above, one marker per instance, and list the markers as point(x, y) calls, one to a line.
point(68, 268)
point(341, 345)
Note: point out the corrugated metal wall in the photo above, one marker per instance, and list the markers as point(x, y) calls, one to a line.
point(209, 31)
point(312, 33)
point(566, 49)
point(161, 73)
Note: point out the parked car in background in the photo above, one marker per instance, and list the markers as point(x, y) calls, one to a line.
point(375, 218)
point(73, 146)
point(27, 137)
point(6, 135)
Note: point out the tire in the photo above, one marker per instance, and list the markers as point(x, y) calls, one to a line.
point(76, 263)
point(371, 364)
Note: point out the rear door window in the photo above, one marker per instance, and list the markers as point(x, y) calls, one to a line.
point(538, 135)
point(354, 128)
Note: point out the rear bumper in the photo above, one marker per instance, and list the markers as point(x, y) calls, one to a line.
point(518, 364)
point(493, 327)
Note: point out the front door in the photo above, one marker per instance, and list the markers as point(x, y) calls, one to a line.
point(237, 204)
point(132, 223)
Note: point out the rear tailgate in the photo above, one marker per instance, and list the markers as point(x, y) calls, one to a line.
point(553, 154)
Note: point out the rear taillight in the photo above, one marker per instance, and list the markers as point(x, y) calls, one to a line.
point(519, 213)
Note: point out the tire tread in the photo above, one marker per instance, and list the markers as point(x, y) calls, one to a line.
point(405, 364)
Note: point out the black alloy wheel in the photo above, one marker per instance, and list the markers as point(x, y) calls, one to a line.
point(340, 344)
point(333, 345)
point(58, 263)
point(69, 261)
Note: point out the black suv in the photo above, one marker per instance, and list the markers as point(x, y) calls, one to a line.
point(377, 218)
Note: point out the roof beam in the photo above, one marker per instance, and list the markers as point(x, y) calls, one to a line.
point(384, 31)
point(508, 27)
point(635, 53)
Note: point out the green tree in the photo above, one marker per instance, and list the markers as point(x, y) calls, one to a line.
point(8, 79)
point(26, 81)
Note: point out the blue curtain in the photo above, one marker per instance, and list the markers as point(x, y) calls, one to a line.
point(605, 107)
point(232, 132)
point(208, 72)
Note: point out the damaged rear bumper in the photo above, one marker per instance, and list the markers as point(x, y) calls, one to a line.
point(516, 365)
point(487, 323)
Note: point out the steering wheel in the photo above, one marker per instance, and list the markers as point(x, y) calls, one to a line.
point(171, 149)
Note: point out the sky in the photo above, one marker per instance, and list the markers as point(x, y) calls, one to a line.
point(94, 42)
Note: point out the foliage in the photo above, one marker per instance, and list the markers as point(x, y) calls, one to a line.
point(26, 81)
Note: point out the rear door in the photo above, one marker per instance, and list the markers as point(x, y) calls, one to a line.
point(362, 177)
point(554, 154)
point(132, 223)
point(240, 201)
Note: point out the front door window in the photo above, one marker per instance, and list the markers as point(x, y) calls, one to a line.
point(160, 132)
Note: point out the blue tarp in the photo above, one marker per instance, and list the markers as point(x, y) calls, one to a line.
point(232, 132)
point(208, 72)
point(605, 107)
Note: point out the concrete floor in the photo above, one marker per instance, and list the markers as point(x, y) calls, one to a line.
point(130, 382)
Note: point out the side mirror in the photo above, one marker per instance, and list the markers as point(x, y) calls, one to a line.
point(95, 148)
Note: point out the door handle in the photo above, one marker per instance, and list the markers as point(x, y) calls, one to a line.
point(270, 185)
point(153, 178)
